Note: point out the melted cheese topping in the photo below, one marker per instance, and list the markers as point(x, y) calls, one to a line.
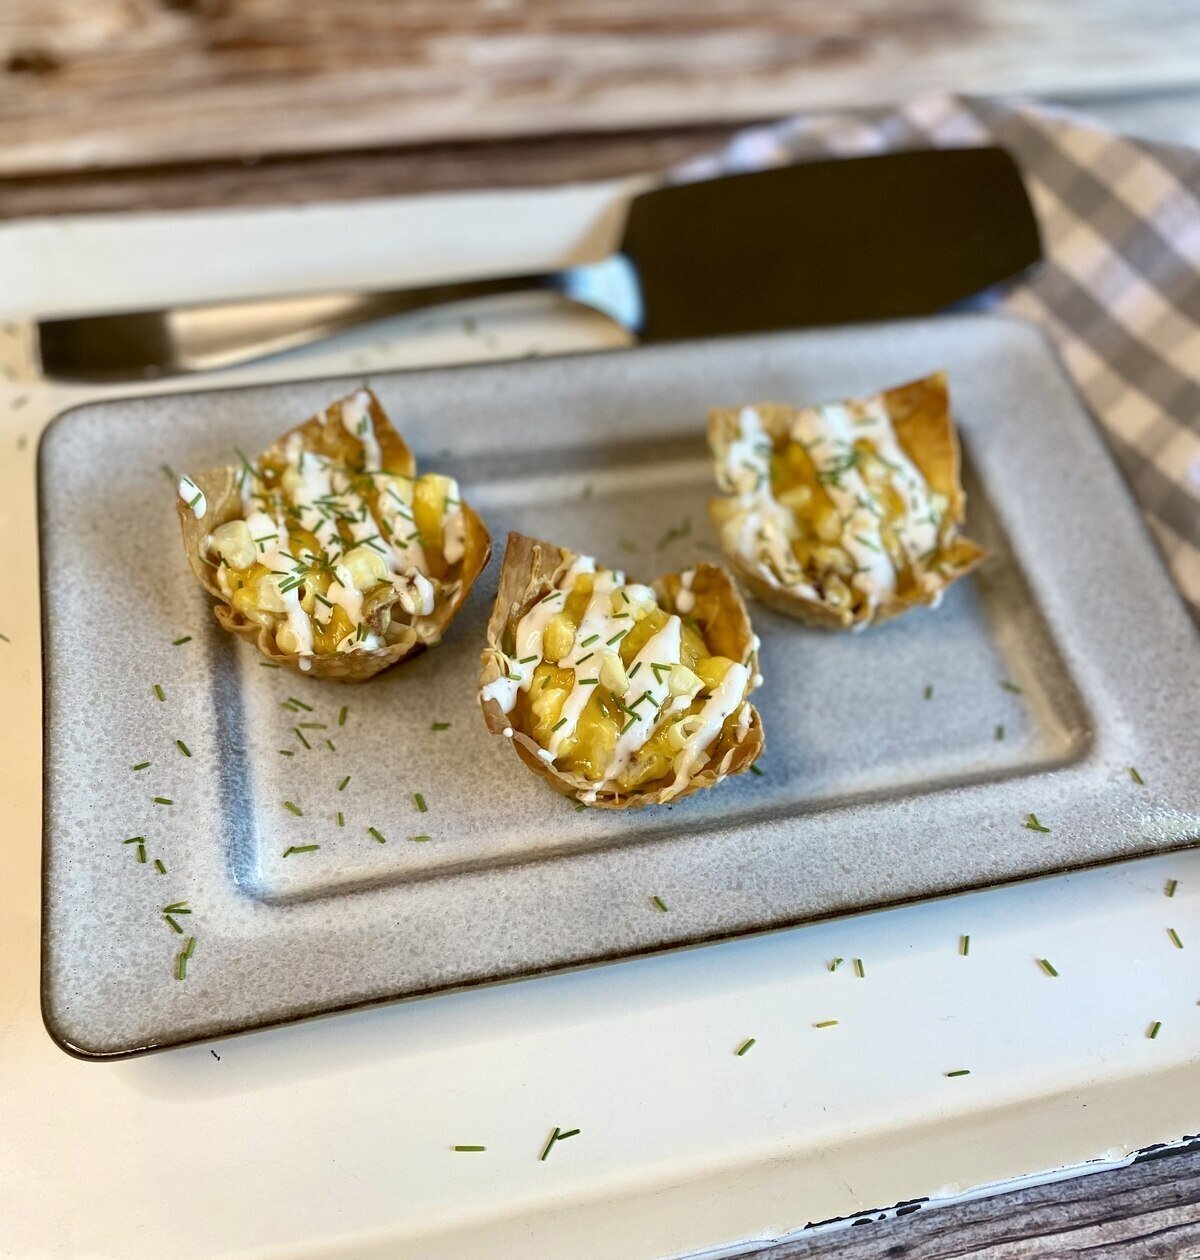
point(888, 521)
point(655, 695)
point(363, 519)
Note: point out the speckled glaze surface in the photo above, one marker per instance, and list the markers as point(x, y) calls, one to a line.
point(872, 794)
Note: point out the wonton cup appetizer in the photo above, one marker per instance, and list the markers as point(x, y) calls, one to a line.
point(847, 513)
point(330, 554)
point(618, 694)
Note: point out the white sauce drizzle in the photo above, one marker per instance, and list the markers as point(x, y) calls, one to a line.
point(724, 700)
point(193, 496)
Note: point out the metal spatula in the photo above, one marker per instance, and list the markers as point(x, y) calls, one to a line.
point(817, 243)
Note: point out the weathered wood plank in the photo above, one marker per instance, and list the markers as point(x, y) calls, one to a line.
point(1151, 1209)
point(102, 83)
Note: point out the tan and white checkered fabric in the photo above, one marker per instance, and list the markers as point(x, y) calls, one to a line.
point(1119, 293)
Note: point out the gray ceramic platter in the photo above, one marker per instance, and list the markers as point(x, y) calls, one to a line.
point(872, 794)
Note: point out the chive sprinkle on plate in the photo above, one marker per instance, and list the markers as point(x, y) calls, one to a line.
point(163, 800)
point(858, 967)
point(1031, 824)
point(826, 1023)
point(342, 714)
point(1172, 884)
point(377, 835)
point(741, 1050)
point(300, 736)
point(1047, 966)
point(419, 801)
point(421, 839)
point(1133, 774)
point(470, 1148)
point(960, 1072)
point(439, 726)
point(1174, 938)
point(964, 945)
point(1154, 1029)
point(756, 769)
point(300, 848)
point(159, 867)
point(928, 691)
point(1011, 686)
point(835, 963)
point(183, 748)
point(292, 807)
point(999, 731)
point(158, 691)
point(141, 765)
point(557, 1136)
point(659, 902)
point(187, 638)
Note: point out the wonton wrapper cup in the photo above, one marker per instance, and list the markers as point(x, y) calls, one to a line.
point(920, 415)
point(531, 570)
point(221, 489)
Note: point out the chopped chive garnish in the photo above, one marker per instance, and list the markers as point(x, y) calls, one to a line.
point(513, 677)
point(1011, 686)
point(158, 691)
point(960, 1072)
point(858, 967)
point(299, 848)
point(1047, 966)
point(187, 638)
point(999, 730)
point(590, 639)
point(659, 902)
point(419, 801)
point(580, 806)
point(580, 661)
point(964, 945)
point(163, 800)
point(1172, 884)
point(470, 1148)
point(634, 670)
point(270, 665)
point(141, 853)
point(321, 599)
point(286, 752)
point(1174, 938)
point(141, 765)
point(756, 769)
point(306, 707)
point(929, 691)
point(183, 748)
point(439, 726)
point(421, 839)
point(1133, 774)
point(330, 744)
point(341, 819)
point(556, 1136)
point(561, 722)
point(377, 836)
point(342, 715)
point(1032, 824)
point(135, 840)
point(312, 726)
point(159, 867)
point(1154, 1029)
point(174, 923)
point(295, 809)
point(342, 785)
point(177, 907)
point(300, 737)
point(826, 1023)
point(588, 682)
point(181, 961)
point(741, 1050)
point(616, 638)
point(836, 963)
point(526, 659)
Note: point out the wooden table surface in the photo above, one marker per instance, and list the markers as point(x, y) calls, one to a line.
point(114, 105)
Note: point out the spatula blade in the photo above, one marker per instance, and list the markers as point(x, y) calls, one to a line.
point(828, 242)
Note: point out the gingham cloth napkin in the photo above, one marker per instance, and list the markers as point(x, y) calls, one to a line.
point(1119, 292)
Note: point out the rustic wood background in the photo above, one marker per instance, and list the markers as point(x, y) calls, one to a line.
point(110, 105)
